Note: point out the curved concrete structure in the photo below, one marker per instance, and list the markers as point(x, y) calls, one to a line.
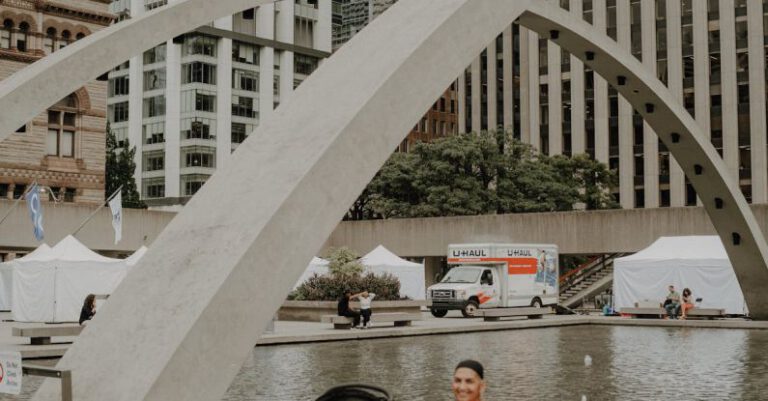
point(31, 90)
point(180, 326)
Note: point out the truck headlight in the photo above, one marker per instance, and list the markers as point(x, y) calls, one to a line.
point(461, 294)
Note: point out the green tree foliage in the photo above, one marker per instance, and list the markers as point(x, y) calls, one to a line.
point(485, 173)
point(344, 262)
point(120, 168)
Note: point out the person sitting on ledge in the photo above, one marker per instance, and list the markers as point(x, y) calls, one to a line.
point(343, 308)
point(687, 303)
point(88, 310)
point(672, 303)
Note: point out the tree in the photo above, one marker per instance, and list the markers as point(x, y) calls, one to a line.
point(482, 173)
point(119, 170)
point(344, 262)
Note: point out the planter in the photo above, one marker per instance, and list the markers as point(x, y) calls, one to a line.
point(311, 311)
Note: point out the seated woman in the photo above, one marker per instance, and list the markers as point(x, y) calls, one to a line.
point(88, 310)
point(687, 302)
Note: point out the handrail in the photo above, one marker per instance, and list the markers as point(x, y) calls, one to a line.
point(581, 267)
point(46, 371)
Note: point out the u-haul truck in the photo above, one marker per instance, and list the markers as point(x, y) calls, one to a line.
point(496, 276)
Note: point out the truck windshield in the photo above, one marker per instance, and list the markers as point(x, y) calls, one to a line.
point(459, 275)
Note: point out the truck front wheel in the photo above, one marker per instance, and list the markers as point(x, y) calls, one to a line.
point(439, 312)
point(536, 303)
point(470, 308)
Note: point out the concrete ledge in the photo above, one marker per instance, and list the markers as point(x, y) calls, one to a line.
point(313, 311)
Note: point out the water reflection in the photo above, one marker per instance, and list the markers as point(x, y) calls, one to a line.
point(628, 363)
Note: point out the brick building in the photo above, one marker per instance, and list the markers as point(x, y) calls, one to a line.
point(62, 148)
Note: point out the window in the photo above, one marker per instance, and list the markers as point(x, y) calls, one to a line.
point(304, 64)
point(119, 86)
point(118, 112)
point(154, 79)
point(155, 54)
point(21, 37)
point(18, 191)
point(198, 100)
point(245, 53)
point(198, 128)
point(154, 188)
point(198, 156)
point(154, 133)
point(60, 141)
point(49, 40)
point(65, 39)
point(240, 131)
point(198, 72)
point(245, 80)
point(199, 44)
point(154, 161)
point(243, 106)
point(154, 106)
point(5, 34)
point(191, 183)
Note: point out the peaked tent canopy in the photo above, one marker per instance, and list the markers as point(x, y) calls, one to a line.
point(317, 266)
point(411, 275)
point(52, 287)
point(699, 263)
point(6, 275)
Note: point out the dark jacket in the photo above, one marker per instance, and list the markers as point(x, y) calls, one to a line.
point(343, 306)
point(86, 314)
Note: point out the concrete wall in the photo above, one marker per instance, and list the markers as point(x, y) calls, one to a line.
point(574, 232)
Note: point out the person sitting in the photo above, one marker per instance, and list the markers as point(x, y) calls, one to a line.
point(688, 302)
point(89, 309)
point(343, 308)
point(365, 299)
point(468, 383)
point(672, 303)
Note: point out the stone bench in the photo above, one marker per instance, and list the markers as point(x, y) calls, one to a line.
point(695, 313)
point(496, 314)
point(41, 335)
point(400, 319)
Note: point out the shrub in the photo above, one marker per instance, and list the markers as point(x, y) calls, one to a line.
point(332, 287)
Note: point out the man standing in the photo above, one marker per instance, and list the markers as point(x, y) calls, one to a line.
point(343, 309)
point(672, 304)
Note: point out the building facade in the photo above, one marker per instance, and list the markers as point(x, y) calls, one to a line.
point(62, 149)
point(710, 53)
point(187, 103)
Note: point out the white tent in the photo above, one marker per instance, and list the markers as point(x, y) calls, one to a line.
point(6, 275)
point(695, 262)
point(136, 256)
point(52, 287)
point(317, 266)
point(410, 274)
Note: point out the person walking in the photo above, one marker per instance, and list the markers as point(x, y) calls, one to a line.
point(365, 299)
point(343, 308)
point(468, 383)
point(672, 303)
point(89, 309)
point(688, 302)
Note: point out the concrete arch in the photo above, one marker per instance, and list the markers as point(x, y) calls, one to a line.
point(181, 324)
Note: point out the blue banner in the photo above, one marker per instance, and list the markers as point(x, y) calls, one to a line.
point(35, 211)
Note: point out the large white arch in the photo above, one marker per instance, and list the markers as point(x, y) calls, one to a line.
point(181, 324)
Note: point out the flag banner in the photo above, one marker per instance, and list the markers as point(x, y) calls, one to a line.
point(35, 211)
point(116, 205)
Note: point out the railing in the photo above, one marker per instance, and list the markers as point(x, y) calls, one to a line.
point(568, 276)
point(585, 270)
point(44, 371)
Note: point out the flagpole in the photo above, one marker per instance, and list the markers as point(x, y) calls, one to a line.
point(16, 203)
point(97, 210)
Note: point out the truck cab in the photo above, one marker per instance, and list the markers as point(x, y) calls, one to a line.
point(496, 275)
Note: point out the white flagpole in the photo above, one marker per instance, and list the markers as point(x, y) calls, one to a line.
point(97, 210)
